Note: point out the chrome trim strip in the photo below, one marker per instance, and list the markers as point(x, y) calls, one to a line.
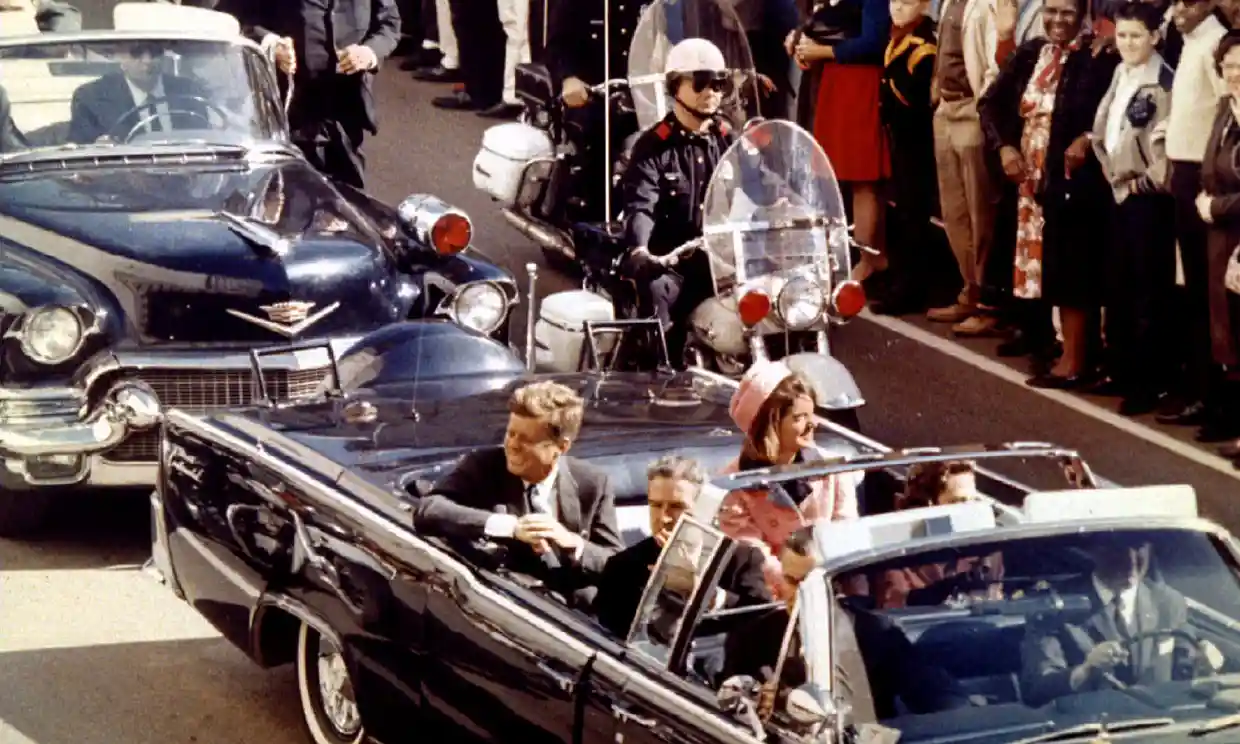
point(159, 544)
point(104, 36)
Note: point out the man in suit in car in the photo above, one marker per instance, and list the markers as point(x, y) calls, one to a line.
point(674, 485)
point(332, 51)
point(1064, 655)
point(138, 96)
point(558, 512)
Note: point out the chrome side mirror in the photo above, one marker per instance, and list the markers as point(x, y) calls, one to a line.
point(803, 708)
point(739, 696)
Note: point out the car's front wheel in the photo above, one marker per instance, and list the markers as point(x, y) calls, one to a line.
point(23, 512)
point(326, 690)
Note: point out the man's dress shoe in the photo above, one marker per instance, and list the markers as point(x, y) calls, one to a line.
point(501, 110)
point(457, 101)
point(437, 74)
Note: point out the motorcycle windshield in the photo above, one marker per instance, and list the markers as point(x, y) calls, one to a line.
point(663, 25)
point(773, 211)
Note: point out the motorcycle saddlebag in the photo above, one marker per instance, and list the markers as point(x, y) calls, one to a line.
point(534, 84)
point(507, 149)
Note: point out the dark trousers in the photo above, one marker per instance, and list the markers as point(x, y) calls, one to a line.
point(480, 42)
point(1140, 289)
point(671, 295)
point(1202, 373)
point(336, 152)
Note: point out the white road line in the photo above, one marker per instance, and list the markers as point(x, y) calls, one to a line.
point(1084, 407)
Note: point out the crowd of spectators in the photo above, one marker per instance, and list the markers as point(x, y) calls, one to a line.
point(1079, 159)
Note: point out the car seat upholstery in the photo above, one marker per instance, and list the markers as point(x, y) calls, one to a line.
point(983, 655)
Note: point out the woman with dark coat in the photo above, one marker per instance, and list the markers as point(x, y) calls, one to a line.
point(1219, 205)
point(1038, 115)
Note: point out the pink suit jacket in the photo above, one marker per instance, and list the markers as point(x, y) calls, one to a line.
point(749, 517)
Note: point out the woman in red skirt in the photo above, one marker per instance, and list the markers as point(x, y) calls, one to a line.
point(846, 39)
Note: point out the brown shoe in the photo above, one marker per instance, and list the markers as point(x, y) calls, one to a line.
point(950, 314)
point(977, 325)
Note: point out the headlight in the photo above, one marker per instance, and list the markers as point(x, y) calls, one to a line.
point(51, 335)
point(480, 306)
point(801, 303)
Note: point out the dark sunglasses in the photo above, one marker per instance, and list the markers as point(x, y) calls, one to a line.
point(720, 81)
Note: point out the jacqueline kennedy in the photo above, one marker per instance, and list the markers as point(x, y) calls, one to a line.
point(1038, 114)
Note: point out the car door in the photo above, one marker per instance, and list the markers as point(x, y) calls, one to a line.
point(653, 694)
point(500, 671)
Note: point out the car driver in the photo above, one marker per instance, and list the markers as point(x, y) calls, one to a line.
point(139, 98)
point(1136, 633)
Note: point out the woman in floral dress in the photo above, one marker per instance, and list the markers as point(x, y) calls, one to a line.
point(1037, 116)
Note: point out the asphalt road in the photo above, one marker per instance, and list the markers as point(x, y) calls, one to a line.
point(92, 651)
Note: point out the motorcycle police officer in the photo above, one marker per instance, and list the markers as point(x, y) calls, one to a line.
point(665, 185)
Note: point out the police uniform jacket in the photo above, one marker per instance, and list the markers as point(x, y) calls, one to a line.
point(665, 184)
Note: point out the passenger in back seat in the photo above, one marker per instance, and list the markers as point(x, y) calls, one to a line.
point(939, 484)
point(775, 409)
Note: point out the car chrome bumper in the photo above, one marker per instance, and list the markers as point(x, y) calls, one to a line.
point(68, 436)
point(50, 450)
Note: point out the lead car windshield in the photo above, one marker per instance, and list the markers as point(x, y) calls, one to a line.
point(155, 92)
point(1035, 635)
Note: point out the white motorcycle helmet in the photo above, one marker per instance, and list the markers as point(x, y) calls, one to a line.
point(699, 60)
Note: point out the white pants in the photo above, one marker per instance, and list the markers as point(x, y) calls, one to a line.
point(447, 37)
point(514, 15)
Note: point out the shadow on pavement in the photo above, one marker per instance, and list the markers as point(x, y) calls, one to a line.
point(201, 691)
point(89, 530)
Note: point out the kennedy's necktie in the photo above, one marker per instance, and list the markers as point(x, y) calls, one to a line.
point(538, 499)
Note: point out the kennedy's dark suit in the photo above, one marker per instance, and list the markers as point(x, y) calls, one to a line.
point(11, 140)
point(461, 504)
point(1055, 645)
point(330, 112)
point(98, 106)
point(626, 574)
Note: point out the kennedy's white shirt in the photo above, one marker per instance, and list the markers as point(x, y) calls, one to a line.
point(139, 99)
point(1195, 93)
point(542, 501)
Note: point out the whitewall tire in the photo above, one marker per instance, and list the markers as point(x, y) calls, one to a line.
point(326, 690)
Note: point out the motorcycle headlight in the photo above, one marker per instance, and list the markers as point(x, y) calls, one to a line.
point(801, 303)
point(51, 335)
point(480, 306)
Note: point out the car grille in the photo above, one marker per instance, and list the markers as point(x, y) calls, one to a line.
point(200, 390)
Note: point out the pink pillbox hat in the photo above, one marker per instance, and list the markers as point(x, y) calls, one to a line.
point(756, 386)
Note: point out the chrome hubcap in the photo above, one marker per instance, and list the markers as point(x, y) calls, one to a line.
point(336, 692)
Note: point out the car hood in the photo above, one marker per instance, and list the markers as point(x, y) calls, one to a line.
point(186, 253)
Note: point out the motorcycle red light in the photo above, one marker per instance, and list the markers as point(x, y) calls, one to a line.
point(848, 299)
point(452, 233)
point(753, 307)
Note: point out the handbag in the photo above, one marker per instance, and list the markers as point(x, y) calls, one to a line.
point(1231, 279)
point(833, 21)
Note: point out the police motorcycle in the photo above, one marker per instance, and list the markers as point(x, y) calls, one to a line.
point(531, 167)
point(775, 233)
